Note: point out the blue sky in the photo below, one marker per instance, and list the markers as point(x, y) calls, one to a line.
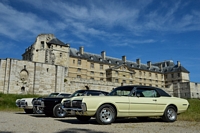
point(151, 30)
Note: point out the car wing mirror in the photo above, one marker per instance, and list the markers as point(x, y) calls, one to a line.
point(138, 95)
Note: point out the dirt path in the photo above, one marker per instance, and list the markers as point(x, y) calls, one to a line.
point(18, 122)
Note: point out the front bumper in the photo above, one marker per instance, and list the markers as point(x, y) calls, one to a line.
point(75, 110)
point(21, 104)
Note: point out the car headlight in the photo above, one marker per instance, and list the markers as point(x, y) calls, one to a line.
point(66, 103)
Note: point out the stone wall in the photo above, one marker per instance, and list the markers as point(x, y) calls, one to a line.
point(19, 76)
point(73, 84)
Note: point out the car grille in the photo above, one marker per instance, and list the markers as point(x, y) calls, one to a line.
point(76, 103)
point(37, 102)
point(23, 103)
point(72, 104)
point(67, 104)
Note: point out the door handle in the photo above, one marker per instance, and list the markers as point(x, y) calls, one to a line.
point(154, 100)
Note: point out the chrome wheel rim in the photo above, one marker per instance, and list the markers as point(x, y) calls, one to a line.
point(171, 114)
point(106, 115)
point(60, 112)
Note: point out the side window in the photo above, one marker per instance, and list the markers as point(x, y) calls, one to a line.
point(150, 93)
point(146, 93)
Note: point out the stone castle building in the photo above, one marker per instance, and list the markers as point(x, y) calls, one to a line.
point(49, 65)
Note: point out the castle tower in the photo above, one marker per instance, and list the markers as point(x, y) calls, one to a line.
point(48, 49)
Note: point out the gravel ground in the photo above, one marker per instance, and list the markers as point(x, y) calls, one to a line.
point(18, 122)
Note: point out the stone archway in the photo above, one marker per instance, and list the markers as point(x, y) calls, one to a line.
point(22, 89)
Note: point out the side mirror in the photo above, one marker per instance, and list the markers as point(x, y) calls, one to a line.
point(138, 95)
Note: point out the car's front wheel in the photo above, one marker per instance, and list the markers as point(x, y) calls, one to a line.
point(170, 114)
point(105, 114)
point(38, 110)
point(58, 112)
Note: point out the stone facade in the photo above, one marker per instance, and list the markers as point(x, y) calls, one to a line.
point(49, 65)
point(19, 76)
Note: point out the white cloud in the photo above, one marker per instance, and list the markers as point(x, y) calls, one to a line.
point(15, 24)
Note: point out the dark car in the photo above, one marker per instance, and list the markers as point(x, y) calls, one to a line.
point(37, 109)
point(52, 106)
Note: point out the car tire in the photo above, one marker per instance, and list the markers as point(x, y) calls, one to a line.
point(83, 118)
point(28, 111)
point(58, 112)
point(170, 114)
point(38, 110)
point(105, 114)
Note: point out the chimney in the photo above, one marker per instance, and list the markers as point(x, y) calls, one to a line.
point(149, 63)
point(138, 61)
point(81, 50)
point(161, 67)
point(103, 54)
point(178, 63)
point(124, 58)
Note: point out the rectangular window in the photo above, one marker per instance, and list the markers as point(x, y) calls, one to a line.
point(117, 73)
point(116, 80)
point(73, 61)
point(92, 65)
point(101, 67)
point(172, 75)
point(79, 62)
point(42, 44)
point(79, 70)
point(92, 72)
point(140, 73)
point(179, 75)
point(78, 76)
point(101, 74)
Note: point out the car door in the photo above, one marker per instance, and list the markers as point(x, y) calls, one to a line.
point(142, 102)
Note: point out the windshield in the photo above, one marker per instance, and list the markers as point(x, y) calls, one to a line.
point(53, 94)
point(121, 91)
point(78, 93)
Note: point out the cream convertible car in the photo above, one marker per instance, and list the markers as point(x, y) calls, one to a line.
point(126, 101)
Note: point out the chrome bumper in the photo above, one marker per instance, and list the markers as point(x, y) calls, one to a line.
point(74, 111)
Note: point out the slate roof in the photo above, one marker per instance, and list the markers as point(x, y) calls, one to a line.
point(56, 41)
point(167, 66)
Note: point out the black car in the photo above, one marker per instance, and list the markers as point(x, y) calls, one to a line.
point(52, 106)
point(37, 109)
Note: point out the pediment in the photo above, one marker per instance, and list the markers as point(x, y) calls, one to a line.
point(123, 68)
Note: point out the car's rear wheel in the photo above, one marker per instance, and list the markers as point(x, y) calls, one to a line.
point(170, 114)
point(105, 114)
point(83, 118)
point(58, 112)
point(28, 111)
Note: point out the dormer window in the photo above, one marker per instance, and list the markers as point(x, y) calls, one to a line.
point(78, 54)
point(100, 59)
point(117, 62)
point(91, 58)
point(132, 65)
point(109, 61)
